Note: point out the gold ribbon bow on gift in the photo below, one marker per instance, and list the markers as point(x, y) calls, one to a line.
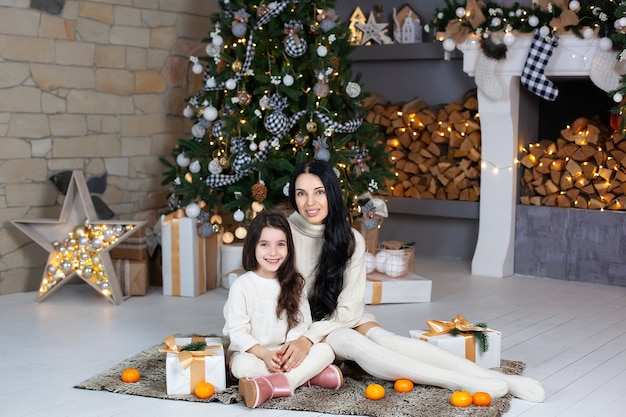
point(187, 357)
point(460, 326)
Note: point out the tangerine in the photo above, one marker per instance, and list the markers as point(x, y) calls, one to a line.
point(461, 399)
point(204, 390)
point(131, 375)
point(481, 399)
point(403, 385)
point(374, 392)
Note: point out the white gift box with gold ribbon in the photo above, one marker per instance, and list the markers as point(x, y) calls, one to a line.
point(188, 260)
point(186, 369)
point(382, 289)
point(464, 344)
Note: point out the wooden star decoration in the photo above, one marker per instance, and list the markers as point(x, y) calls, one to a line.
point(372, 30)
point(79, 243)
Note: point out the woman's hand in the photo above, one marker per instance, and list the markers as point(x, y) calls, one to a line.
point(293, 353)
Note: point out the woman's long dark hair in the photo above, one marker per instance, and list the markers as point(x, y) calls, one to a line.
point(338, 245)
point(290, 280)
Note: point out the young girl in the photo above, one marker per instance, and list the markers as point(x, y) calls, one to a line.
point(330, 255)
point(266, 310)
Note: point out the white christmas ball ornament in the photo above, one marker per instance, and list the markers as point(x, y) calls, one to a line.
point(322, 51)
point(449, 44)
point(239, 215)
point(460, 12)
point(394, 266)
point(544, 31)
point(197, 68)
point(370, 262)
point(253, 146)
point(574, 5)
point(241, 232)
point(217, 40)
point(210, 82)
point(381, 258)
point(263, 145)
point(214, 167)
point(622, 21)
point(288, 80)
point(618, 98)
point(231, 84)
point(496, 21)
point(509, 39)
point(353, 89)
point(194, 166)
point(188, 112)
point(605, 44)
point(192, 210)
point(588, 33)
point(210, 113)
point(533, 21)
point(286, 190)
point(212, 50)
point(182, 160)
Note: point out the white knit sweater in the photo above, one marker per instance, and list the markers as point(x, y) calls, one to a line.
point(350, 312)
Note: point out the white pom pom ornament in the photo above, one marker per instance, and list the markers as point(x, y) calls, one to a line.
point(370, 262)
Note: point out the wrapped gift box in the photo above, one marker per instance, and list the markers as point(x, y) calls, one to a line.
point(228, 279)
point(186, 369)
point(382, 289)
point(134, 276)
point(134, 248)
point(189, 264)
point(465, 345)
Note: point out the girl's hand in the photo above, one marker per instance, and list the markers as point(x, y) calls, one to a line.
point(270, 357)
point(293, 353)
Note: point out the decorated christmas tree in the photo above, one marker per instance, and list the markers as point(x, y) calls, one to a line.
point(277, 90)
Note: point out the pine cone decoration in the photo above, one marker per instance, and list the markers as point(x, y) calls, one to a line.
point(259, 191)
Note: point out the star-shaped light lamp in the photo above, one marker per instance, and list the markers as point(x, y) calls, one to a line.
point(79, 243)
point(372, 30)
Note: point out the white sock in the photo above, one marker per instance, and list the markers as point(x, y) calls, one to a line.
point(485, 77)
point(390, 365)
point(602, 72)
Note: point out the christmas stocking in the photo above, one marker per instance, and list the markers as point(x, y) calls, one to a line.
point(484, 74)
point(602, 72)
point(533, 77)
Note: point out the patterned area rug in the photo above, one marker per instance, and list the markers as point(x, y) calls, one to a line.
point(423, 401)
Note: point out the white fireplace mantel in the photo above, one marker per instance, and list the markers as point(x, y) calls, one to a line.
point(500, 119)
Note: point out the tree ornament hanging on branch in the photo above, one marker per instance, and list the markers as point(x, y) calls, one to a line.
point(294, 46)
point(259, 191)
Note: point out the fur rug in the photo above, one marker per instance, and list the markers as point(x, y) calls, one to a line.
point(423, 401)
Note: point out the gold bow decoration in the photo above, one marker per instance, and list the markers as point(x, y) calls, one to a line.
point(458, 29)
point(459, 325)
point(187, 357)
point(565, 20)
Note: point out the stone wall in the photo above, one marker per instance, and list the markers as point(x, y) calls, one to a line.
point(100, 87)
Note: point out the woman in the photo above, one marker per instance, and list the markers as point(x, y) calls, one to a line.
point(266, 308)
point(330, 256)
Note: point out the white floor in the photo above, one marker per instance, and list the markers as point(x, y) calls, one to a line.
point(571, 335)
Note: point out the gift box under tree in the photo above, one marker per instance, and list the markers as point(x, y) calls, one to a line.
point(475, 342)
point(133, 275)
point(382, 289)
point(193, 360)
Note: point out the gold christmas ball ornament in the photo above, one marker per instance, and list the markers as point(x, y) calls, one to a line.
point(228, 238)
point(300, 140)
point(224, 162)
point(216, 219)
point(262, 10)
point(257, 207)
point(311, 127)
point(244, 97)
point(237, 66)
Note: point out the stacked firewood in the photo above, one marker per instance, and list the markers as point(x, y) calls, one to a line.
point(436, 152)
point(584, 168)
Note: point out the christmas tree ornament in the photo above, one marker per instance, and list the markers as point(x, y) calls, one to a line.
point(449, 45)
point(533, 21)
point(182, 160)
point(257, 207)
point(192, 210)
point(216, 219)
point(353, 90)
point(509, 38)
point(210, 82)
point(194, 166)
point(196, 68)
point(214, 167)
point(217, 40)
point(263, 145)
point(602, 72)
point(321, 149)
point(242, 158)
point(259, 191)
point(533, 76)
point(311, 127)
point(486, 80)
point(78, 243)
point(618, 97)
point(288, 80)
point(218, 130)
point(198, 130)
point(209, 113)
point(286, 190)
point(212, 50)
point(188, 112)
point(262, 10)
point(359, 160)
point(326, 20)
point(276, 122)
point(224, 162)
point(239, 26)
point(299, 139)
point(294, 46)
point(322, 51)
point(239, 215)
point(230, 84)
point(237, 66)
point(253, 146)
point(244, 97)
point(241, 232)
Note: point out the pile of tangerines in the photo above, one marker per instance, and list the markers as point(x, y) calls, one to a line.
point(457, 399)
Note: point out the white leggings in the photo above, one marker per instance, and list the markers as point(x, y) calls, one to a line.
point(247, 365)
point(390, 357)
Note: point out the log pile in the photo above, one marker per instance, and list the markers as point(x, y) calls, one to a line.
point(584, 168)
point(436, 152)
